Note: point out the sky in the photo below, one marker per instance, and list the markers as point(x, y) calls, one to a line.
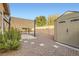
point(31, 10)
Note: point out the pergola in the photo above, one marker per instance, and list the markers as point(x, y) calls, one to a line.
point(5, 16)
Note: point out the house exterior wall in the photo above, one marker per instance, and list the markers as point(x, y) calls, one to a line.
point(22, 24)
point(68, 31)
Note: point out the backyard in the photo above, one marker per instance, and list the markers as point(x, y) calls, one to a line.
point(43, 35)
point(41, 45)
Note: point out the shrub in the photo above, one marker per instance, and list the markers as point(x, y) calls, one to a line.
point(10, 39)
point(14, 39)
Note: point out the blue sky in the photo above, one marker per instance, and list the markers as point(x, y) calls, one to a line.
point(31, 10)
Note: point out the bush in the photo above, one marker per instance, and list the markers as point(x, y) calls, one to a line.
point(10, 39)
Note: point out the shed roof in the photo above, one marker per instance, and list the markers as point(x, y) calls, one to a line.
point(68, 14)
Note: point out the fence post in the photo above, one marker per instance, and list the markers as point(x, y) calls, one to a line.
point(34, 27)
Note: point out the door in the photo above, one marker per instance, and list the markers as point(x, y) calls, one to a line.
point(73, 38)
point(62, 31)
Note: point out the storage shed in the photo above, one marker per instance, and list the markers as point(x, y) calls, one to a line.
point(66, 29)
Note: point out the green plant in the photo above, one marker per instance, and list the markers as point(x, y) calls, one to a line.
point(14, 44)
point(15, 37)
point(10, 39)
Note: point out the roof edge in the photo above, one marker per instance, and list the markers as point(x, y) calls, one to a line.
point(66, 12)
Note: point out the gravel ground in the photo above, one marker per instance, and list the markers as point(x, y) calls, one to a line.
point(41, 45)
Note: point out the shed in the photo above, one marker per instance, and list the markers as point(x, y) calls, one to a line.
point(66, 29)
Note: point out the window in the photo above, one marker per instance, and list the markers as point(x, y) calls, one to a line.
point(74, 20)
point(62, 22)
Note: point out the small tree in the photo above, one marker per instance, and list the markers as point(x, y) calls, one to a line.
point(41, 21)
